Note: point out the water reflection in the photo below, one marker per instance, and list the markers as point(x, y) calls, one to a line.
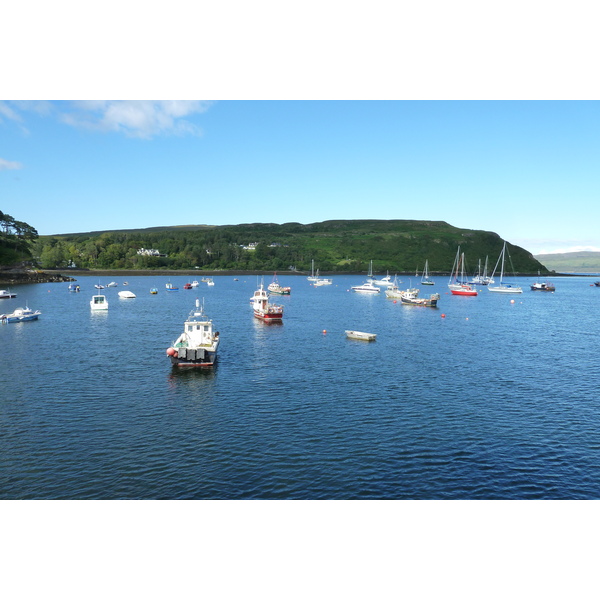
point(192, 378)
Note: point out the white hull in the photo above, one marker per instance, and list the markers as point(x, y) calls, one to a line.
point(505, 289)
point(361, 335)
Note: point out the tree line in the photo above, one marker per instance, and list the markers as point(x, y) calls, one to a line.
point(335, 246)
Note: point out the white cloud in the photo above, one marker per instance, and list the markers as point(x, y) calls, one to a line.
point(7, 112)
point(9, 165)
point(143, 119)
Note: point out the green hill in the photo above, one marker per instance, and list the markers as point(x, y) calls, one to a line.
point(397, 246)
point(571, 262)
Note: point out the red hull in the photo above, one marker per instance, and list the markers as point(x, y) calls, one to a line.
point(269, 317)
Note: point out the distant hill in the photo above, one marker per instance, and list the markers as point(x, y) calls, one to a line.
point(397, 246)
point(571, 262)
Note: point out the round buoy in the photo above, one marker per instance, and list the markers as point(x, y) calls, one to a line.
point(171, 352)
point(443, 316)
point(395, 301)
point(324, 330)
point(512, 301)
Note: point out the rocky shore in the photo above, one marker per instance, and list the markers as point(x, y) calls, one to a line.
point(19, 275)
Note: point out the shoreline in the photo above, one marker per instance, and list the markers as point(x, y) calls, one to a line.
point(10, 278)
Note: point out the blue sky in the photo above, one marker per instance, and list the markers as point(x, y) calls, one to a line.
point(527, 170)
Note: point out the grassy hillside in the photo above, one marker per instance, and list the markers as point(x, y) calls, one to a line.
point(571, 262)
point(336, 246)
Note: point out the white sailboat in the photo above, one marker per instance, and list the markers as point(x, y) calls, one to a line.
point(480, 279)
point(505, 288)
point(425, 279)
point(312, 276)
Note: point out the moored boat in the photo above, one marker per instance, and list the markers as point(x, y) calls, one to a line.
point(187, 286)
point(154, 290)
point(7, 294)
point(322, 281)
point(361, 335)
point(73, 287)
point(20, 314)
point(393, 291)
point(504, 288)
point(99, 302)
point(543, 287)
point(126, 294)
point(458, 287)
point(171, 288)
point(197, 345)
point(263, 309)
point(112, 284)
point(425, 279)
point(411, 296)
point(275, 288)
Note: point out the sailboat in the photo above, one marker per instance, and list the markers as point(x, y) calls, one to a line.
point(456, 286)
point(312, 272)
point(425, 280)
point(505, 288)
point(480, 279)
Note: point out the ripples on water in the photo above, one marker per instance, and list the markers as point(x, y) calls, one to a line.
point(494, 400)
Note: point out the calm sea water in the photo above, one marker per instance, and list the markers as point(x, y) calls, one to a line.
point(479, 398)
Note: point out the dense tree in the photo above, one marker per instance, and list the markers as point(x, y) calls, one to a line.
point(15, 239)
point(335, 246)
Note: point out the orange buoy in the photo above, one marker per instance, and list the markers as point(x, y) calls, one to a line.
point(443, 316)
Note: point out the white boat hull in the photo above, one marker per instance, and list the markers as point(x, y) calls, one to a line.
point(361, 335)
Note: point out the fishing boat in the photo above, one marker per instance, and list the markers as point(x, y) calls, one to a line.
point(7, 294)
point(99, 302)
point(187, 286)
point(197, 345)
point(210, 281)
point(112, 284)
point(458, 287)
point(542, 287)
point(393, 291)
point(503, 288)
point(425, 279)
point(20, 314)
point(275, 288)
point(73, 287)
point(411, 296)
point(361, 335)
point(126, 294)
point(263, 309)
point(195, 283)
point(171, 288)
